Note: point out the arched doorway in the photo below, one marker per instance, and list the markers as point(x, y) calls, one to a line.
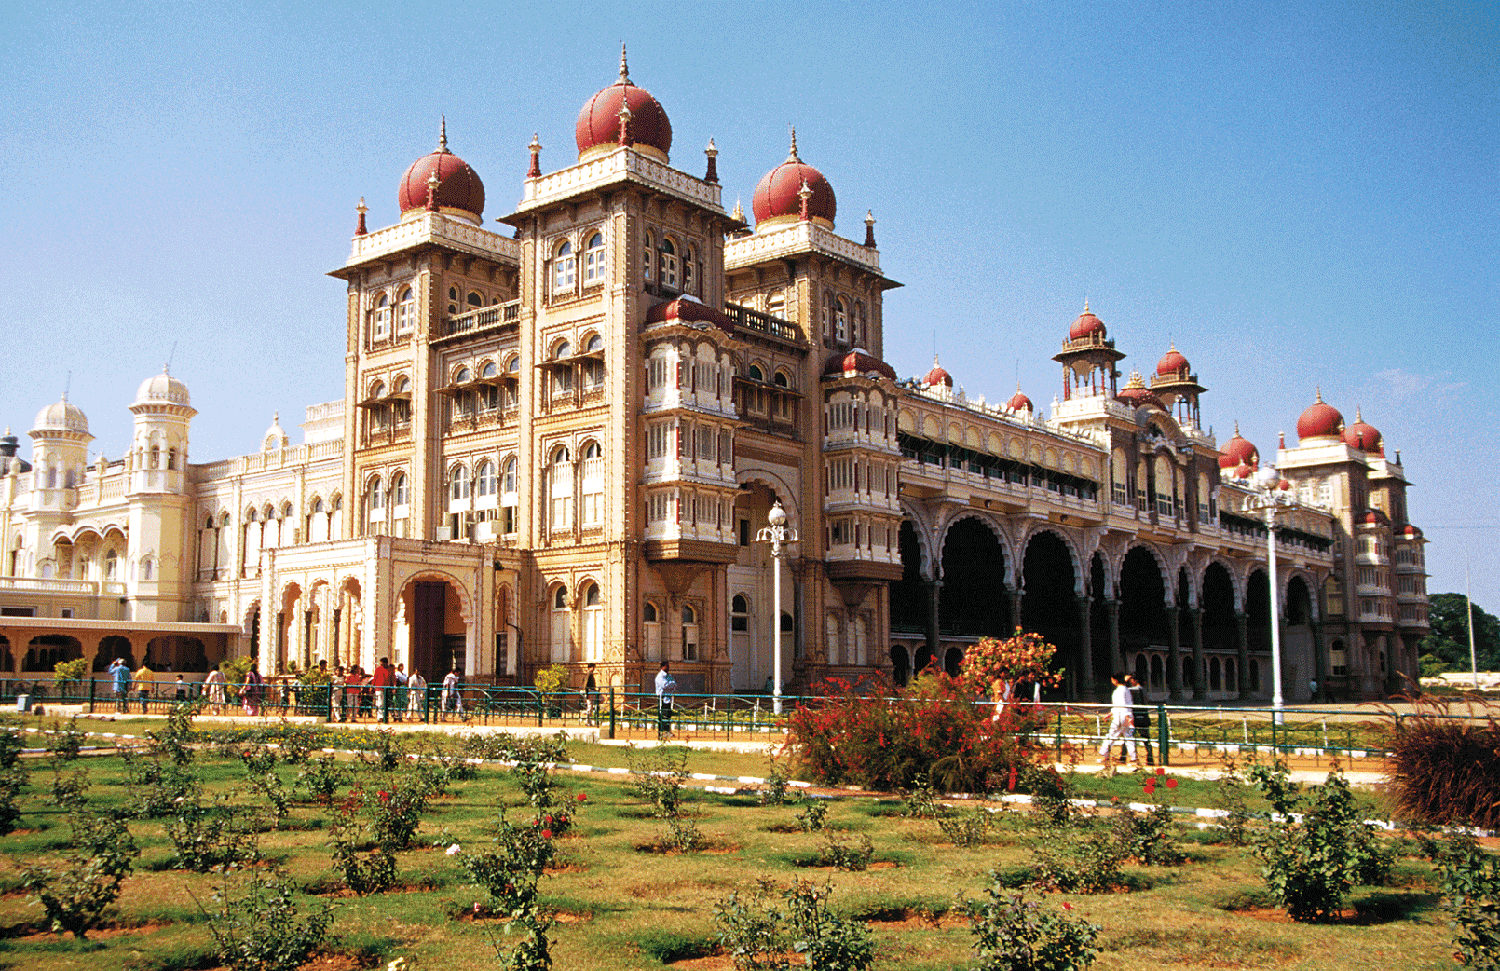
point(1050, 604)
point(1258, 630)
point(1143, 612)
point(1218, 625)
point(973, 601)
point(437, 631)
point(909, 594)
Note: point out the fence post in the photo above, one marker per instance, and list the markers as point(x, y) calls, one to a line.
point(611, 711)
point(539, 709)
point(1163, 732)
point(1059, 733)
point(92, 689)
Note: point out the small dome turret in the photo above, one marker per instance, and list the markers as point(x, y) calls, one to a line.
point(1320, 420)
point(162, 389)
point(1086, 324)
point(61, 416)
point(1364, 437)
point(646, 125)
point(458, 191)
point(778, 197)
point(937, 376)
point(1238, 451)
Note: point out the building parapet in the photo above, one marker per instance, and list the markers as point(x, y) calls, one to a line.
point(278, 458)
point(624, 164)
point(795, 238)
point(436, 228)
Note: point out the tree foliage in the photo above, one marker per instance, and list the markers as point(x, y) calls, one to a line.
point(1449, 640)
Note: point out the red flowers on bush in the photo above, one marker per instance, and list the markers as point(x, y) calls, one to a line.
point(546, 834)
point(582, 796)
point(872, 734)
point(1023, 657)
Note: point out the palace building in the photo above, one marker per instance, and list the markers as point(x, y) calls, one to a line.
point(561, 431)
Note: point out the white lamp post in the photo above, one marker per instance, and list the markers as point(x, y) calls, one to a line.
point(1273, 497)
point(777, 533)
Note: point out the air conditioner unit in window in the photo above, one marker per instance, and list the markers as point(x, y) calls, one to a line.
point(444, 534)
point(484, 532)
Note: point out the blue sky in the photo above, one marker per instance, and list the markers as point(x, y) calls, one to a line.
point(1299, 196)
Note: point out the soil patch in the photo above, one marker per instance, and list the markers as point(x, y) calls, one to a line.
point(30, 932)
point(912, 920)
point(333, 888)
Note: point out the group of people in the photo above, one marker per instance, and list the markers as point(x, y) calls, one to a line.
point(145, 684)
point(1124, 719)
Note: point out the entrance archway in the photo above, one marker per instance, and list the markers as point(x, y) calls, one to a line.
point(973, 601)
point(1050, 605)
point(436, 628)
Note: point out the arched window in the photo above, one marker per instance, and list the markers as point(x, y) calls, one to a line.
point(381, 327)
point(406, 312)
point(475, 299)
point(148, 568)
point(841, 321)
point(508, 498)
point(487, 370)
point(453, 300)
point(562, 375)
point(458, 483)
point(739, 613)
point(668, 269)
point(561, 489)
point(687, 270)
point(111, 565)
point(564, 267)
point(593, 260)
point(593, 368)
point(593, 623)
point(593, 485)
point(651, 624)
point(508, 480)
point(689, 634)
point(780, 379)
point(399, 492)
point(464, 376)
point(562, 628)
point(646, 258)
point(484, 479)
point(755, 373)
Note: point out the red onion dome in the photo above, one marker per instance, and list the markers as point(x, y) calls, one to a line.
point(459, 191)
point(647, 128)
point(937, 376)
point(778, 197)
point(1243, 471)
point(1085, 325)
point(1320, 420)
point(1019, 402)
point(1373, 517)
point(1172, 364)
point(1364, 437)
point(1238, 451)
point(1412, 532)
point(858, 361)
point(687, 310)
point(1136, 393)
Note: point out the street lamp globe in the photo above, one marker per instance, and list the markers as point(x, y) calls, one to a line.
point(777, 515)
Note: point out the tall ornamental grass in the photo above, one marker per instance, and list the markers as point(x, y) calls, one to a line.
point(1446, 769)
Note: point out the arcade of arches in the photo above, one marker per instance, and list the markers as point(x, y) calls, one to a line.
point(1199, 632)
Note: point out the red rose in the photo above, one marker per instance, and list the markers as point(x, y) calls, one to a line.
point(1161, 770)
point(582, 796)
point(384, 796)
point(546, 834)
point(1150, 788)
point(1067, 906)
point(1171, 783)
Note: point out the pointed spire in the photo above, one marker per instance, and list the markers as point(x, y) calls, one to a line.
point(443, 135)
point(625, 115)
point(739, 210)
point(1357, 416)
point(1085, 304)
point(535, 171)
point(624, 68)
point(791, 156)
point(1318, 396)
point(1281, 439)
point(361, 209)
point(870, 228)
point(712, 152)
point(1236, 428)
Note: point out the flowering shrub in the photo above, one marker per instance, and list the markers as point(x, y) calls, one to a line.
point(868, 733)
point(364, 873)
point(1151, 837)
point(1014, 934)
point(760, 932)
point(1023, 657)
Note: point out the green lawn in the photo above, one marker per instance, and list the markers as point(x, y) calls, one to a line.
point(623, 908)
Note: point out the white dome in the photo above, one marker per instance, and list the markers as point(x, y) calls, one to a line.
point(162, 388)
point(61, 416)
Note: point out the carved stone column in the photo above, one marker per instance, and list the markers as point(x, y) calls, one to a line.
point(1195, 638)
point(1174, 655)
point(1242, 644)
point(1086, 689)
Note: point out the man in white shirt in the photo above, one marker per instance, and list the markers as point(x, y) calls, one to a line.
point(666, 688)
point(453, 699)
point(1121, 722)
point(416, 694)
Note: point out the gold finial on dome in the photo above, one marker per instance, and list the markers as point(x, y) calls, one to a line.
point(624, 68)
point(1357, 416)
point(1085, 304)
point(1318, 395)
point(443, 134)
point(791, 155)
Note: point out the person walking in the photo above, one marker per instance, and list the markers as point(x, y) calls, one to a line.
point(1121, 722)
point(252, 691)
point(453, 699)
point(214, 683)
point(666, 689)
point(591, 697)
point(145, 683)
point(416, 695)
point(119, 673)
point(1141, 716)
point(382, 683)
point(401, 688)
